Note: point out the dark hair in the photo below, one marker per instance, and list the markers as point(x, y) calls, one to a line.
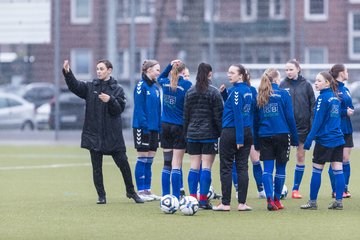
point(296, 63)
point(242, 71)
point(202, 81)
point(148, 64)
point(333, 83)
point(107, 63)
point(336, 70)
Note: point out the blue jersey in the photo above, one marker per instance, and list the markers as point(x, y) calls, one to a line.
point(326, 124)
point(253, 105)
point(346, 101)
point(173, 101)
point(276, 117)
point(237, 110)
point(147, 106)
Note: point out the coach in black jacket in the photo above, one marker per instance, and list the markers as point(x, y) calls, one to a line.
point(102, 130)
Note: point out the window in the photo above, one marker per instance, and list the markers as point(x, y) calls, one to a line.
point(277, 9)
point(141, 54)
point(144, 9)
point(316, 10)
point(315, 55)
point(249, 10)
point(81, 63)
point(81, 11)
point(354, 35)
point(215, 14)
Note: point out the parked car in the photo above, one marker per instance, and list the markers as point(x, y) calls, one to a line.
point(71, 111)
point(37, 92)
point(16, 112)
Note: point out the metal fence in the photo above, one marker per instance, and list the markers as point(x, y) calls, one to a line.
point(37, 35)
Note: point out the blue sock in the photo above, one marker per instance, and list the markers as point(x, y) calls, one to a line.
point(193, 181)
point(165, 181)
point(165, 175)
point(181, 179)
point(140, 173)
point(234, 176)
point(339, 183)
point(267, 178)
point(332, 178)
point(200, 169)
point(175, 182)
point(148, 173)
point(315, 183)
point(205, 182)
point(299, 172)
point(279, 179)
point(346, 169)
point(257, 172)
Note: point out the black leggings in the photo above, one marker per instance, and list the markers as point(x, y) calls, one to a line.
point(121, 161)
point(229, 153)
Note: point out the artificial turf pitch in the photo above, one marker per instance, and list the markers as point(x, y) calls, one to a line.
point(46, 192)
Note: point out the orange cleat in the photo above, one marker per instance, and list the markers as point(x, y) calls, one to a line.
point(347, 194)
point(296, 195)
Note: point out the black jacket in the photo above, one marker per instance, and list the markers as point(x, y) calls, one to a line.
point(102, 130)
point(303, 100)
point(203, 113)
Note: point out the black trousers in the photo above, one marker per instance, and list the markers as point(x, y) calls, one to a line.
point(121, 161)
point(229, 153)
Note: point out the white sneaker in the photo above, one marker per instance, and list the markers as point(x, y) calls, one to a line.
point(145, 197)
point(262, 194)
point(153, 196)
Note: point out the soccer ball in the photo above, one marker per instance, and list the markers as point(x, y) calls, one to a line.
point(189, 205)
point(210, 195)
point(284, 192)
point(169, 204)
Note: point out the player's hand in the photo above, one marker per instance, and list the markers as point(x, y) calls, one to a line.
point(104, 97)
point(350, 111)
point(66, 66)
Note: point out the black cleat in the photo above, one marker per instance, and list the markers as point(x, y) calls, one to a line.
point(101, 200)
point(135, 197)
point(207, 206)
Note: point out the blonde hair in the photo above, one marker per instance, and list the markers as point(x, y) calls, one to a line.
point(177, 68)
point(265, 88)
point(148, 64)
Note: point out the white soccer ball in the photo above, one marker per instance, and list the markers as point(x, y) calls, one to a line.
point(189, 205)
point(169, 204)
point(210, 195)
point(284, 192)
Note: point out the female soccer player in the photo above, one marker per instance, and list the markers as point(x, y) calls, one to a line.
point(236, 138)
point(172, 135)
point(303, 100)
point(340, 74)
point(254, 154)
point(275, 131)
point(329, 139)
point(146, 126)
point(203, 110)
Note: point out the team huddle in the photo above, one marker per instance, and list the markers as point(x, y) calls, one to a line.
point(203, 120)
